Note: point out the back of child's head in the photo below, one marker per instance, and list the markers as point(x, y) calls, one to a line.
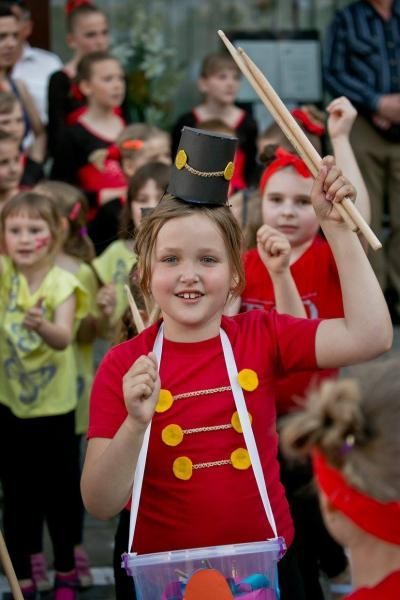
point(35, 206)
point(77, 9)
point(141, 143)
point(160, 174)
point(171, 208)
point(354, 423)
point(73, 207)
point(84, 70)
point(216, 62)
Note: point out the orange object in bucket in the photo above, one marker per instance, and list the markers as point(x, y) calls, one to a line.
point(207, 583)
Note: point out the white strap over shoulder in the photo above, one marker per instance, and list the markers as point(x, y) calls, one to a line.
point(247, 434)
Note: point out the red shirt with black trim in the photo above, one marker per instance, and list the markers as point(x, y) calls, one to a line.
point(387, 589)
point(218, 504)
point(317, 281)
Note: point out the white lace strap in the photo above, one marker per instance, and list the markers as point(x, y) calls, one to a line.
point(246, 428)
point(141, 463)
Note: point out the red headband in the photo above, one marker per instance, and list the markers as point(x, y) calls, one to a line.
point(71, 5)
point(283, 159)
point(114, 152)
point(309, 125)
point(380, 519)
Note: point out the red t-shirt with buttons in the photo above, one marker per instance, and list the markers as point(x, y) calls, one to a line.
point(317, 281)
point(387, 589)
point(218, 504)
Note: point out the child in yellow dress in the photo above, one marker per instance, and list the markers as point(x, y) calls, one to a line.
point(40, 304)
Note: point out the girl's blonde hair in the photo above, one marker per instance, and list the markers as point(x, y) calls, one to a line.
point(35, 206)
point(172, 208)
point(355, 424)
point(160, 173)
point(73, 206)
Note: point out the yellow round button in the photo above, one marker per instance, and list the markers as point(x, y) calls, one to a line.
point(240, 459)
point(165, 401)
point(172, 435)
point(228, 171)
point(182, 468)
point(235, 422)
point(181, 159)
point(248, 379)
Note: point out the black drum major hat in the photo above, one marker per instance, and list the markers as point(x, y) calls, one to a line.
point(203, 167)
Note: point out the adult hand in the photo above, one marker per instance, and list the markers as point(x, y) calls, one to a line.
point(389, 107)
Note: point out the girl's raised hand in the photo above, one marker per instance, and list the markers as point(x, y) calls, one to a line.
point(330, 186)
point(141, 388)
point(34, 316)
point(274, 249)
point(342, 115)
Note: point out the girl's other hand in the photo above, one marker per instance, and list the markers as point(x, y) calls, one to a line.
point(141, 388)
point(34, 316)
point(342, 115)
point(274, 249)
point(330, 186)
point(106, 299)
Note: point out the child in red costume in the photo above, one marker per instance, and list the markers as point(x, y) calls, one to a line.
point(198, 487)
point(287, 213)
point(351, 428)
point(101, 80)
point(87, 31)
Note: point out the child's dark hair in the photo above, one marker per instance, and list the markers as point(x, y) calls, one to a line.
point(6, 11)
point(172, 208)
point(157, 171)
point(76, 10)
point(355, 424)
point(213, 63)
point(8, 100)
point(36, 206)
point(85, 65)
point(73, 206)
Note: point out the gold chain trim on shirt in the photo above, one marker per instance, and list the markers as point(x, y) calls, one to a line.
point(225, 388)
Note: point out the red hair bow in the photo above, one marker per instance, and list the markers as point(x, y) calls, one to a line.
point(309, 125)
point(71, 5)
point(283, 159)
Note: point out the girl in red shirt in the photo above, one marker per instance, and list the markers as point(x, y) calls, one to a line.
point(198, 488)
point(351, 427)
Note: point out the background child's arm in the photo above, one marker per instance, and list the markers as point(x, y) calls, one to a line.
point(57, 334)
point(274, 250)
point(366, 330)
point(342, 115)
point(110, 464)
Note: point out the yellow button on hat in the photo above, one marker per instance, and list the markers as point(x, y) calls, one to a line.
point(182, 468)
point(240, 459)
point(172, 435)
point(236, 423)
point(165, 401)
point(248, 379)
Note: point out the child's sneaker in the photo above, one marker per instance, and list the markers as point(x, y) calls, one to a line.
point(66, 587)
point(82, 567)
point(39, 572)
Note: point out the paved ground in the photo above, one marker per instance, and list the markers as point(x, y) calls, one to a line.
point(99, 542)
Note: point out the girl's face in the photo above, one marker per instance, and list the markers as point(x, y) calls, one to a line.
point(106, 85)
point(13, 122)
point(148, 196)
point(27, 239)
point(10, 166)
point(90, 34)
point(286, 206)
point(222, 86)
point(191, 277)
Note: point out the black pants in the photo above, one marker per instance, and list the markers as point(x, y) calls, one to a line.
point(40, 476)
point(290, 580)
point(316, 550)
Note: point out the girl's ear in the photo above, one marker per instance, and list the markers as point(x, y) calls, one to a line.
point(64, 224)
point(70, 39)
point(202, 85)
point(85, 87)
